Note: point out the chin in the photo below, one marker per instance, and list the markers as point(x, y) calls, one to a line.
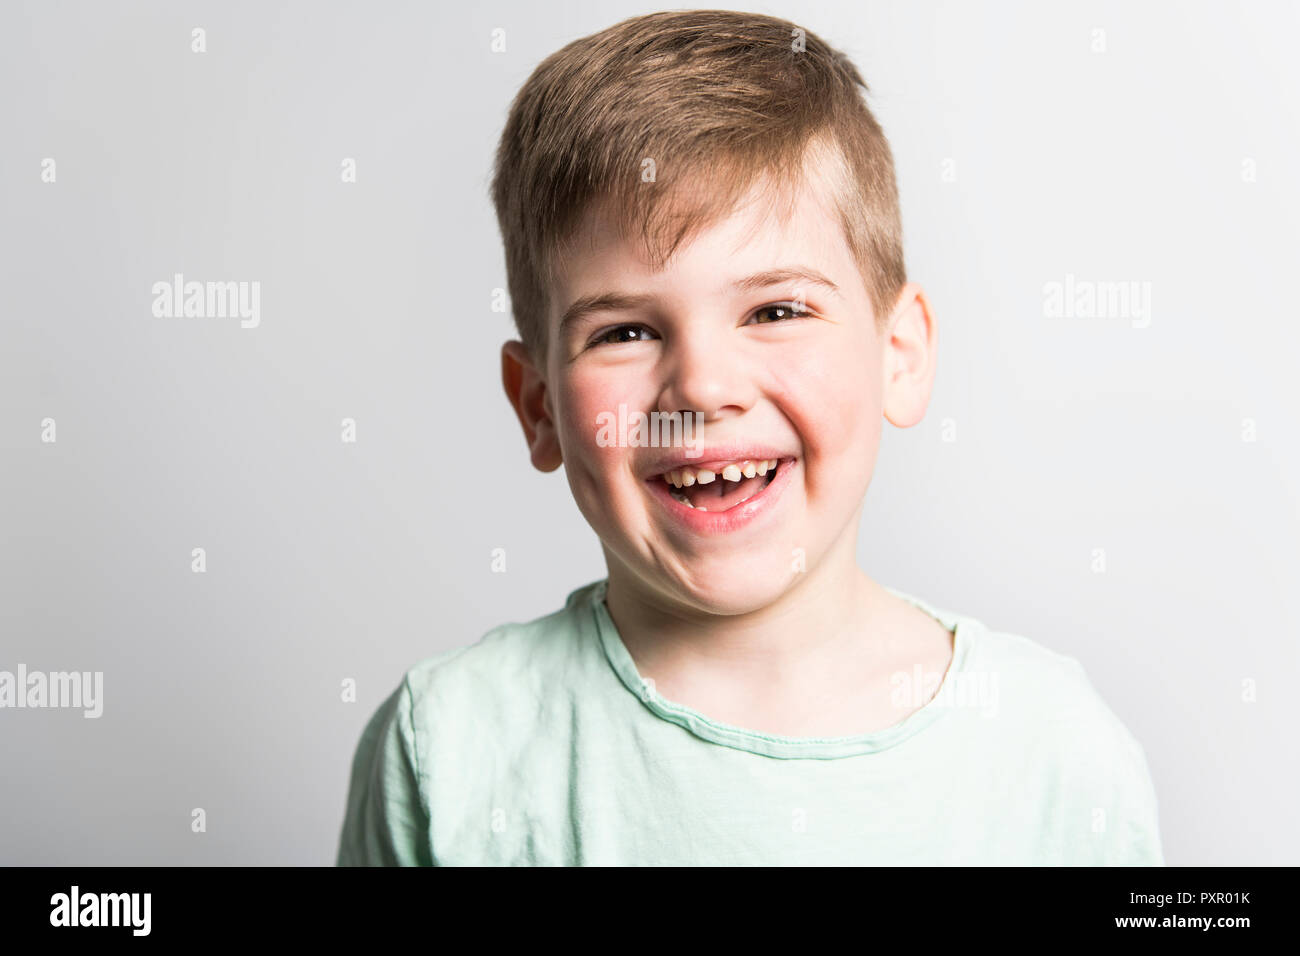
point(730, 586)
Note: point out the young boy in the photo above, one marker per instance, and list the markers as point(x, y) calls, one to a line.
point(701, 221)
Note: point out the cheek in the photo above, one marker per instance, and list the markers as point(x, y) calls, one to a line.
point(859, 405)
point(852, 393)
point(582, 404)
point(835, 392)
point(581, 401)
point(858, 409)
point(833, 397)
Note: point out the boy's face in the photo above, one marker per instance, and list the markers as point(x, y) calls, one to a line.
point(713, 333)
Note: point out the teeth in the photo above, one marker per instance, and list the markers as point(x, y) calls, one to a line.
point(685, 477)
point(748, 468)
point(687, 502)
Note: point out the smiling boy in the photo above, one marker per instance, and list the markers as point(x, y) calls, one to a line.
point(701, 218)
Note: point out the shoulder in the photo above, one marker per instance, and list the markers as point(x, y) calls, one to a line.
point(488, 702)
point(506, 667)
point(1033, 713)
point(453, 718)
point(1051, 690)
point(1025, 679)
point(1091, 768)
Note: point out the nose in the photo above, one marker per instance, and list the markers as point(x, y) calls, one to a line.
point(706, 374)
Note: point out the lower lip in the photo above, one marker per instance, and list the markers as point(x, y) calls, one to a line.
point(734, 518)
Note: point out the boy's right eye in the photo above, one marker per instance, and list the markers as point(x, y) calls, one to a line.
point(619, 335)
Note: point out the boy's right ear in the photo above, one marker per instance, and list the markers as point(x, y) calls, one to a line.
point(526, 389)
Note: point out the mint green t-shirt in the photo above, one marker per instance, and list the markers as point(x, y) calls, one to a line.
point(540, 744)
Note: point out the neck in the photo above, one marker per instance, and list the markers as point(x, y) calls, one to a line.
point(807, 631)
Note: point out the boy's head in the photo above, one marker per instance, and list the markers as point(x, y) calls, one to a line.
point(700, 217)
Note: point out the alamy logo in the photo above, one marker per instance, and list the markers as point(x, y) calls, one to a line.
point(102, 909)
point(976, 690)
point(84, 689)
point(656, 430)
point(208, 300)
point(1091, 299)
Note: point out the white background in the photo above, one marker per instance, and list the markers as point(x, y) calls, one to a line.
point(328, 561)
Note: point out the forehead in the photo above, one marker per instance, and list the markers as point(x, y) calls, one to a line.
point(772, 225)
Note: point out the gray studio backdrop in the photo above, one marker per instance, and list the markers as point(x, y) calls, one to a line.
point(1119, 485)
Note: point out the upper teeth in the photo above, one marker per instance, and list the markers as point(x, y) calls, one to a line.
point(733, 471)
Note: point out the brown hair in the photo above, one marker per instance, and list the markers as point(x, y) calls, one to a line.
point(710, 96)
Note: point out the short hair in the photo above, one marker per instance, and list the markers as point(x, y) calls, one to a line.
point(712, 97)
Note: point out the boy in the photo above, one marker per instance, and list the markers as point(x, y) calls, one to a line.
point(701, 221)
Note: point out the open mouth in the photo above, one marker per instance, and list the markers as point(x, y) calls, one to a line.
point(721, 488)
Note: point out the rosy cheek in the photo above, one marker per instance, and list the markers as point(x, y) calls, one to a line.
point(584, 400)
point(835, 388)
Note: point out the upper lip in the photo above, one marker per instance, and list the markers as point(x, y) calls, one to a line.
point(712, 457)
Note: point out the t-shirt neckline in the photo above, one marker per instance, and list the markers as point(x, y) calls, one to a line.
point(773, 745)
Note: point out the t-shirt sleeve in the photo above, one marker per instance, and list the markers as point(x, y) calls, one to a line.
point(386, 822)
point(1138, 840)
point(1113, 771)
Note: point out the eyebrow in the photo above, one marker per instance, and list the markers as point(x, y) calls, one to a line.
point(622, 302)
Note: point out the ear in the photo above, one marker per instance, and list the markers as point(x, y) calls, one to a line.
point(912, 339)
point(526, 389)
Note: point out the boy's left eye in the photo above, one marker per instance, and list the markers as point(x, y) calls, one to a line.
point(780, 311)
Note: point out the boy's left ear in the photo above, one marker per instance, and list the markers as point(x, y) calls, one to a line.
point(911, 341)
